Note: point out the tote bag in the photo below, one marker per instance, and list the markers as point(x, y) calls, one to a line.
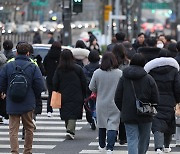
point(56, 100)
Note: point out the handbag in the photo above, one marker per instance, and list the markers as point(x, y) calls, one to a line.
point(56, 100)
point(143, 108)
point(177, 115)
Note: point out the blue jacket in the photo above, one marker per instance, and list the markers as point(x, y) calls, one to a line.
point(35, 81)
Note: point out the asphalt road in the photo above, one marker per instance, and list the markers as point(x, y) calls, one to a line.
point(49, 138)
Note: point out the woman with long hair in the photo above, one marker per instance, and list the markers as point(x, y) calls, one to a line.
point(70, 81)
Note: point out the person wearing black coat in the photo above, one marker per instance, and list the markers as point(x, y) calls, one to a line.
point(37, 38)
point(140, 42)
point(165, 72)
point(70, 81)
point(137, 127)
point(50, 63)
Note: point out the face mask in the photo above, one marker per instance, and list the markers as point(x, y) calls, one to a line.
point(160, 45)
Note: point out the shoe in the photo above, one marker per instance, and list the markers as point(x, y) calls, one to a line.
point(1, 119)
point(70, 136)
point(122, 142)
point(101, 149)
point(49, 114)
point(109, 152)
point(177, 145)
point(5, 121)
point(93, 125)
point(23, 133)
point(167, 150)
point(34, 123)
point(159, 151)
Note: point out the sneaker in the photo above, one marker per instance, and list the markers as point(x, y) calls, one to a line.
point(70, 136)
point(101, 149)
point(177, 145)
point(109, 152)
point(5, 121)
point(122, 142)
point(49, 114)
point(159, 151)
point(93, 125)
point(167, 150)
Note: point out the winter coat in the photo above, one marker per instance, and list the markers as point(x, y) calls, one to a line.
point(34, 79)
point(51, 40)
point(136, 45)
point(104, 83)
point(88, 71)
point(178, 58)
point(72, 86)
point(145, 88)
point(3, 59)
point(50, 63)
point(37, 39)
point(149, 52)
point(165, 72)
point(9, 54)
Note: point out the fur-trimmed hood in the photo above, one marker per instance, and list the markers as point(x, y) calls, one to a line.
point(80, 53)
point(162, 61)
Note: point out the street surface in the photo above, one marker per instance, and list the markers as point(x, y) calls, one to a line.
point(49, 138)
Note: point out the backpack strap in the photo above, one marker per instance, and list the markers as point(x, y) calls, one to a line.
point(26, 65)
point(23, 67)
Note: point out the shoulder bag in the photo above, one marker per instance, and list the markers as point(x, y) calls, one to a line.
point(143, 108)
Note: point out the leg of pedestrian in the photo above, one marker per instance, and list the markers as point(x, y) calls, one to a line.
point(71, 125)
point(111, 139)
point(158, 140)
point(102, 139)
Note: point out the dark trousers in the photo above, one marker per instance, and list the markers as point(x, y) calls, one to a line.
point(111, 138)
point(3, 109)
point(122, 131)
point(50, 87)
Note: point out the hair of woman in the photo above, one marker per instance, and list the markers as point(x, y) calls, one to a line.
point(109, 62)
point(138, 60)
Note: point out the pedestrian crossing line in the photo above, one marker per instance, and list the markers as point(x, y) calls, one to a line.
point(44, 128)
point(4, 146)
point(39, 133)
point(125, 145)
point(21, 153)
point(37, 139)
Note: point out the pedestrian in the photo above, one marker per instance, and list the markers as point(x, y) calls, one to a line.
point(120, 38)
point(80, 53)
point(164, 70)
point(104, 82)
point(50, 63)
point(21, 106)
point(123, 62)
point(129, 49)
point(88, 71)
point(137, 127)
point(172, 48)
point(150, 51)
point(37, 38)
point(70, 81)
point(51, 38)
point(94, 45)
point(7, 46)
point(139, 42)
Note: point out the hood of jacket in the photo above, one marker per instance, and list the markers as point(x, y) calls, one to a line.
point(159, 62)
point(134, 72)
point(80, 53)
point(54, 54)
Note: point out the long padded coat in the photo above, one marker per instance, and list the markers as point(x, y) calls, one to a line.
point(72, 86)
point(104, 83)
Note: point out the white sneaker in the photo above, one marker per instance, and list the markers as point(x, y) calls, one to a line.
point(167, 150)
point(109, 152)
point(101, 149)
point(5, 121)
point(159, 151)
point(70, 136)
point(49, 114)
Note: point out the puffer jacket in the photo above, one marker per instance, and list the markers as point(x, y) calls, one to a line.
point(145, 88)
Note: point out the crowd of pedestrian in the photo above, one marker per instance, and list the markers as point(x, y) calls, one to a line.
point(107, 85)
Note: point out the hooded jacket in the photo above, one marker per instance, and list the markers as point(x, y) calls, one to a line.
point(146, 91)
point(165, 72)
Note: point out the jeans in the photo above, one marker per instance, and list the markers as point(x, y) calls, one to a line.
point(92, 104)
point(70, 126)
point(111, 138)
point(14, 123)
point(178, 135)
point(162, 140)
point(138, 136)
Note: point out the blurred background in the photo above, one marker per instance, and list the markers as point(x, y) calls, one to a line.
point(72, 19)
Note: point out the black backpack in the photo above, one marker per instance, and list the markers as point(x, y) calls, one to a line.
point(18, 83)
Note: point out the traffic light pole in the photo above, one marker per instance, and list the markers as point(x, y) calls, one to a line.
point(67, 13)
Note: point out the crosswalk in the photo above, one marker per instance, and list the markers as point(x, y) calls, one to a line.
point(49, 132)
point(122, 149)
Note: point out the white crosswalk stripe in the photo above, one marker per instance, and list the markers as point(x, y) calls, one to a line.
point(49, 131)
